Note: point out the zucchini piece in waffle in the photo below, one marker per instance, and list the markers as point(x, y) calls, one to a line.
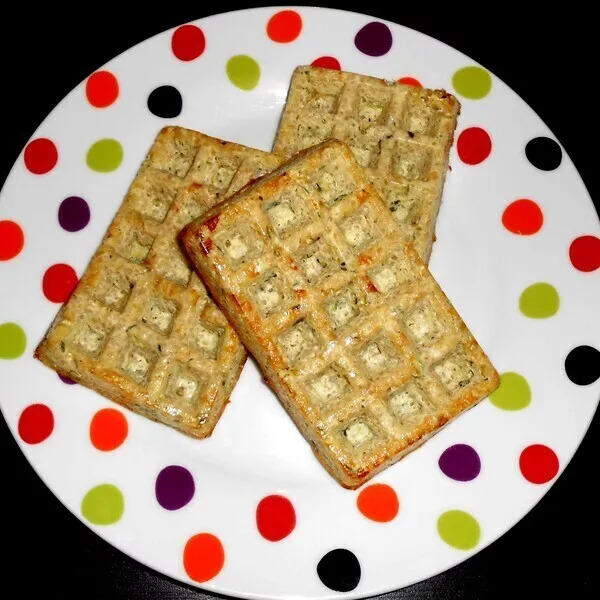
point(140, 328)
point(349, 327)
point(400, 134)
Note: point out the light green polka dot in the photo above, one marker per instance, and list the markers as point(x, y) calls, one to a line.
point(243, 71)
point(513, 393)
point(104, 155)
point(103, 505)
point(12, 340)
point(459, 529)
point(539, 301)
point(472, 82)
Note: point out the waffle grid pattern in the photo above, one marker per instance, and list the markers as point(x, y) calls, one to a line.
point(140, 327)
point(345, 319)
point(400, 134)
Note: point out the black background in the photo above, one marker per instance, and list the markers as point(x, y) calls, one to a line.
point(550, 57)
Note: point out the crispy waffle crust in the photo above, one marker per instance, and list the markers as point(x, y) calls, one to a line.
point(140, 328)
point(350, 329)
point(400, 134)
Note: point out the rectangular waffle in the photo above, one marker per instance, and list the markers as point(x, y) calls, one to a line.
point(350, 329)
point(400, 134)
point(140, 328)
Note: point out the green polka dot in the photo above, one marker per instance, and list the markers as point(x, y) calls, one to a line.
point(513, 392)
point(12, 340)
point(459, 529)
point(103, 505)
point(243, 71)
point(104, 156)
point(539, 301)
point(472, 82)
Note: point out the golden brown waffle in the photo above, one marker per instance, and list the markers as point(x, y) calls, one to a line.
point(401, 134)
point(140, 328)
point(347, 324)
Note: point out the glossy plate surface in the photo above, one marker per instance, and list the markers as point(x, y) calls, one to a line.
point(517, 252)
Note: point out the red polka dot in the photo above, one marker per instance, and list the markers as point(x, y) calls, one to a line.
point(275, 518)
point(11, 239)
point(538, 463)
point(41, 156)
point(284, 26)
point(36, 423)
point(327, 62)
point(410, 81)
point(59, 282)
point(102, 89)
point(203, 557)
point(188, 42)
point(108, 429)
point(523, 217)
point(378, 502)
point(584, 253)
point(474, 145)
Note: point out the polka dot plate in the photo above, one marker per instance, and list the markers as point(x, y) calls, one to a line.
point(249, 512)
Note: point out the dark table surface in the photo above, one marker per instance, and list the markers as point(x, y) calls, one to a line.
point(549, 57)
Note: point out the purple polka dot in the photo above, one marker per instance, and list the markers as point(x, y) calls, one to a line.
point(374, 39)
point(460, 462)
point(174, 487)
point(67, 380)
point(73, 213)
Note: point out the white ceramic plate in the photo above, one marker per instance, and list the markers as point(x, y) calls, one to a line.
point(512, 455)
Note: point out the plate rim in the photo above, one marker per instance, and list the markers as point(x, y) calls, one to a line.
point(209, 586)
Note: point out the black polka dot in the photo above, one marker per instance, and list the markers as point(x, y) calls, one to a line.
point(165, 101)
point(339, 570)
point(543, 153)
point(583, 365)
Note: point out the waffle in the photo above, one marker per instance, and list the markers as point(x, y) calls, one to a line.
point(400, 134)
point(140, 328)
point(350, 329)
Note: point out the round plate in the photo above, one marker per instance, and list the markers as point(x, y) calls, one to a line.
point(522, 274)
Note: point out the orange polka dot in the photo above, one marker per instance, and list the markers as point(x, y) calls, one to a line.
point(108, 429)
point(284, 26)
point(523, 217)
point(410, 81)
point(11, 239)
point(203, 557)
point(378, 502)
point(101, 89)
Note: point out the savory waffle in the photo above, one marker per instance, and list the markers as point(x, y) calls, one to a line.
point(140, 328)
point(400, 134)
point(347, 324)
